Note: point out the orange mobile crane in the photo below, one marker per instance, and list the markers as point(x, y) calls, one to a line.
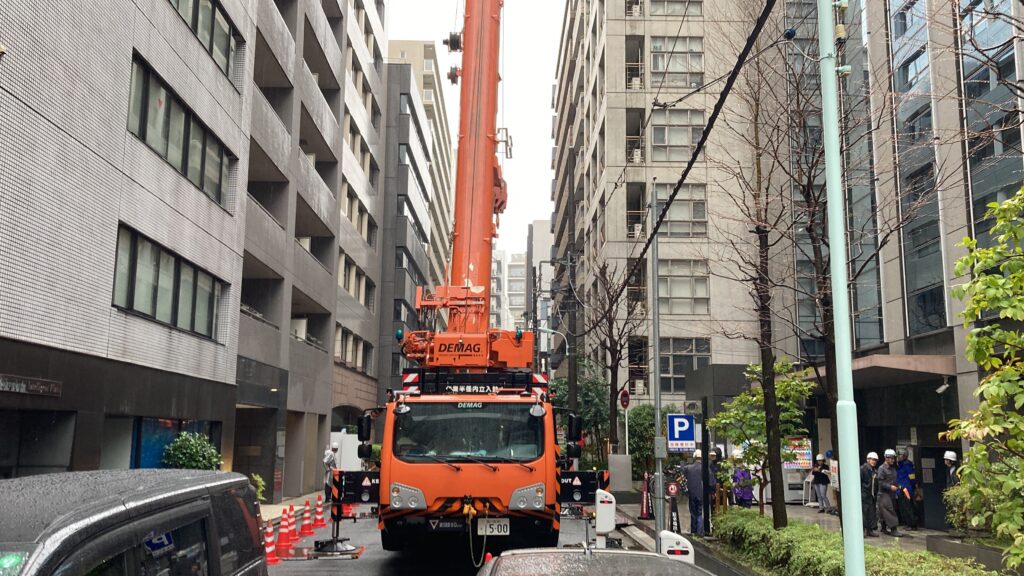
point(469, 446)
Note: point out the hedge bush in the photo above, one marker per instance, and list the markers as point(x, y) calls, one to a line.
point(803, 549)
point(193, 451)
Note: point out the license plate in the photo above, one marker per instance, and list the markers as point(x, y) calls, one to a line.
point(493, 527)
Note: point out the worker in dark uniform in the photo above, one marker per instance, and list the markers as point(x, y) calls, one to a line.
point(888, 491)
point(906, 476)
point(694, 474)
point(953, 477)
point(868, 492)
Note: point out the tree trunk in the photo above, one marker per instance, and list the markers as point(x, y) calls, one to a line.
point(613, 411)
point(771, 405)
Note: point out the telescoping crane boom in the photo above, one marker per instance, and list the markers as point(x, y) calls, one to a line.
point(470, 344)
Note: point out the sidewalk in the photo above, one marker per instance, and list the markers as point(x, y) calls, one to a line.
point(912, 540)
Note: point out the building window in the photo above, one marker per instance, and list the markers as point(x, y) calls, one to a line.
point(912, 72)
point(918, 127)
point(428, 65)
point(211, 25)
point(154, 282)
point(675, 132)
point(908, 16)
point(517, 285)
point(678, 61)
point(166, 125)
point(678, 356)
point(428, 95)
point(677, 7)
point(683, 287)
point(688, 215)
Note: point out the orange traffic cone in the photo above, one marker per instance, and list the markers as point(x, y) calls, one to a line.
point(284, 539)
point(307, 522)
point(293, 532)
point(346, 510)
point(268, 546)
point(318, 520)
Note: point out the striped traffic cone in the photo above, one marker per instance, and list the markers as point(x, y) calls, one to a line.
point(318, 520)
point(268, 546)
point(284, 538)
point(293, 532)
point(307, 522)
point(346, 510)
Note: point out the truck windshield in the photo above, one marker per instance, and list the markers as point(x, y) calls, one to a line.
point(468, 431)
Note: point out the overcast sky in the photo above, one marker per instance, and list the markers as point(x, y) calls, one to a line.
point(530, 51)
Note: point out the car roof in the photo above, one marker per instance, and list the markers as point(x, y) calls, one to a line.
point(32, 507)
point(596, 562)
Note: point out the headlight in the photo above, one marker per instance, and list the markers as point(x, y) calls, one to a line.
point(528, 496)
point(412, 497)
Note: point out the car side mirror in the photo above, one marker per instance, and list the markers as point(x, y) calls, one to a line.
point(365, 428)
point(573, 451)
point(575, 431)
point(365, 451)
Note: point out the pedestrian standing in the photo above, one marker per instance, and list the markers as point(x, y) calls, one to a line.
point(953, 474)
point(694, 474)
point(868, 493)
point(742, 482)
point(906, 477)
point(820, 481)
point(888, 491)
point(714, 469)
point(330, 463)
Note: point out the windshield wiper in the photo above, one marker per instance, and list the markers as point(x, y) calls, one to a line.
point(505, 460)
point(476, 461)
point(445, 461)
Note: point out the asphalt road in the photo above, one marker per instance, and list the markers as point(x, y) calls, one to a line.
point(451, 561)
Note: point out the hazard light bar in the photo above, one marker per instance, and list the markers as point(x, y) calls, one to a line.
point(419, 380)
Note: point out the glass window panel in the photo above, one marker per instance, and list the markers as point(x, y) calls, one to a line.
point(211, 169)
point(681, 364)
point(666, 384)
point(135, 102)
point(701, 287)
point(165, 288)
point(231, 53)
point(188, 556)
point(185, 9)
point(702, 345)
point(156, 116)
point(204, 23)
point(665, 364)
point(122, 270)
point(196, 135)
point(147, 263)
point(186, 289)
point(700, 306)
point(221, 40)
point(215, 309)
point(176, 139)
point(225, 166)
point(204, 303)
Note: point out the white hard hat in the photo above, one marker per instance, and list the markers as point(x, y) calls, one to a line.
point(737, 453)
point(334, 445)
point(890, 453)
point(873, 455)
point(697, 454)
point(949, 455)
point(820, 457)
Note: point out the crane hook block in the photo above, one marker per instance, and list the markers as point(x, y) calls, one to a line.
point(454, 74)
point(454, 42)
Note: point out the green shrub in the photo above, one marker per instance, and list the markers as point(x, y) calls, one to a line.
point(191, 450)
point(259, 485)
point(803, 549)
point(964, 505)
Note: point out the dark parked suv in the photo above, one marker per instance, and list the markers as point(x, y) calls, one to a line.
point(131, 523)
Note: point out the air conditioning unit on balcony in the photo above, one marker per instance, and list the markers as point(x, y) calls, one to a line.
point(636, 11)
point(638, 230)
point(638, 156)
point(636, 83)
point(640, 386)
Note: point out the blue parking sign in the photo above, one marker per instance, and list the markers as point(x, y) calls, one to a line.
point(681, 433)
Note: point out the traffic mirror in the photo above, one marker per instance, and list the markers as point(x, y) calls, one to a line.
point(365, 451)
point(573, 451)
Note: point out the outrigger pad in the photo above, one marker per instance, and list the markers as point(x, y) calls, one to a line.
point(360, 487)
point(578, 487)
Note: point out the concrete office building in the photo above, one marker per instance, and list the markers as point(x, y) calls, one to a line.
point(125, 145)
point(407, 196)
point(501, 317)
point(515, 289)
point(615, 57)
point(423, 58)
point(538, 296)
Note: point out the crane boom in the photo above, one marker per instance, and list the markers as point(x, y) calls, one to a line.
point(470, 343)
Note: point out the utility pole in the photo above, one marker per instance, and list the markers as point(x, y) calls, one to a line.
point(846, 408)
point(659, 441)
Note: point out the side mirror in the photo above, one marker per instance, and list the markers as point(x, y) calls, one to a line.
point(573, 450)
point(365, 428)
point(575, 431)
point(365, 451)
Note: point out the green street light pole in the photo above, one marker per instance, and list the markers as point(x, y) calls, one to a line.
point(846, 408)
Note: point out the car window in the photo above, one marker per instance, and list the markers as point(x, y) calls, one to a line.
point(238, 529)
point(180, 552)
point(114, 566)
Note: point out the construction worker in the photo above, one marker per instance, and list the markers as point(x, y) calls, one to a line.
point(330, 463)
point(868, 493)
point(953, 477)
point(820, 482)
point(906, 476)
point(888, 491)
point(694, 474)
